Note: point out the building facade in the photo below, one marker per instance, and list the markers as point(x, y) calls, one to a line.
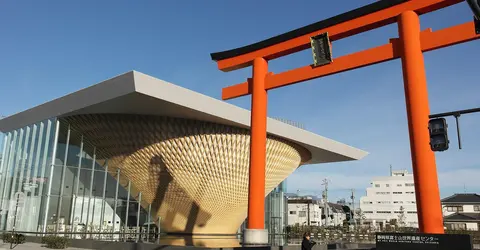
point(304, 211)
point(312, 211)
point(390, 198)
point(276, 210)
point(461, 212)
point(52, 181)
point(334, 214)
point(276, 217)
point(136, 150)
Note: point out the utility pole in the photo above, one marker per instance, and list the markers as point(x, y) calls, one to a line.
point(325, 198)
point(391, 170)
point(353, 206)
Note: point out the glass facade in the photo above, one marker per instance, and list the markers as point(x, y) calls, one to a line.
point(276, 210)
point(52, 181)
point(275, 215)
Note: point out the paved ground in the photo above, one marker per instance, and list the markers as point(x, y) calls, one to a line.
point(29, 246)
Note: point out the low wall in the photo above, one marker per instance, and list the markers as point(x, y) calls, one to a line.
point(109, 245)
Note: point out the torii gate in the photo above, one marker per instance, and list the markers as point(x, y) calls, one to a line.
point(410, 45)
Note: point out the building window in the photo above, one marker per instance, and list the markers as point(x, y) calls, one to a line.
point(302, 214)
point(409, 192)
point(455, 209)
point(399, 185)
point(457, 226)
point(383, 202)
point(384, 212)
point(367, 202)
point(368, 212)
point(397, 192)
point(412, 212)
point(377, 185)
point(293, 212)
point(382, 192)
point(476, 208)
point(387, 185)
point(409, 184)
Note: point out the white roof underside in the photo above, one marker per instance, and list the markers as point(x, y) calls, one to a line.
point(137, 93)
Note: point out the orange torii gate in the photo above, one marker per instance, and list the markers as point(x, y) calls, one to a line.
point(410, 45)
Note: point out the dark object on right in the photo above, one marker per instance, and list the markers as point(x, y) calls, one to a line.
point(475, 7)
point(421, 241)
point(438, 134)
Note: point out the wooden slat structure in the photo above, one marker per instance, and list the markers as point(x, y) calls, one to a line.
point(194, 173)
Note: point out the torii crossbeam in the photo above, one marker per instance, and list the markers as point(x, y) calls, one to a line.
point(409, 46)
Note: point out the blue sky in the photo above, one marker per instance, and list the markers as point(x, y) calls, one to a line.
point(49, 50)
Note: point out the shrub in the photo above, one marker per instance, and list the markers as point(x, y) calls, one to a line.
point(16, 239)
point(55, 242)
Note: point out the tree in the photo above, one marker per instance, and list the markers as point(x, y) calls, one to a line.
point(393, 222)
point(401, 217)
point(360, 216)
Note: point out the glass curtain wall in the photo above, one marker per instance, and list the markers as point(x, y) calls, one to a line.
point(53, 181)
point(275, 212)
point(24, 175)
point(275, 215)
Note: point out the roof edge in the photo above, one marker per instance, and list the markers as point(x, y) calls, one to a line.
point(122, 84)
point(145, 83)
point(323, 24)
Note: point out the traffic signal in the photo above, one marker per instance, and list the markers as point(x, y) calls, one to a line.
point(475, 7)
point(438, 134)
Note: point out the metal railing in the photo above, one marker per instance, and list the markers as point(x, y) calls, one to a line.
point(133, 236)
point(290, 122)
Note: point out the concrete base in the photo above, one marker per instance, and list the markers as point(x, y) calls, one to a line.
point(255, 237)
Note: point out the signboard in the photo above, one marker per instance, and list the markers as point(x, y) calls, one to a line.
point(420, 241)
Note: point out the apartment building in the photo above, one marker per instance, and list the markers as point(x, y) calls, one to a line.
point(335, 214)
point(313, 211)
point(390, 198)
point(304, 211)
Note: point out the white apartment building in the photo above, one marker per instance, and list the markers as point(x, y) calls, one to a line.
point(304, 211)
point(390, 197)
point(309, 211)
point(336, 214)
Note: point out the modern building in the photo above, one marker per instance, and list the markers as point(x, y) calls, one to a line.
point(461, 212)
point(390, 198)
point(136, 150)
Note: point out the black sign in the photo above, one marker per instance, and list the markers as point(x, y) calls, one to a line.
point(420, 241)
